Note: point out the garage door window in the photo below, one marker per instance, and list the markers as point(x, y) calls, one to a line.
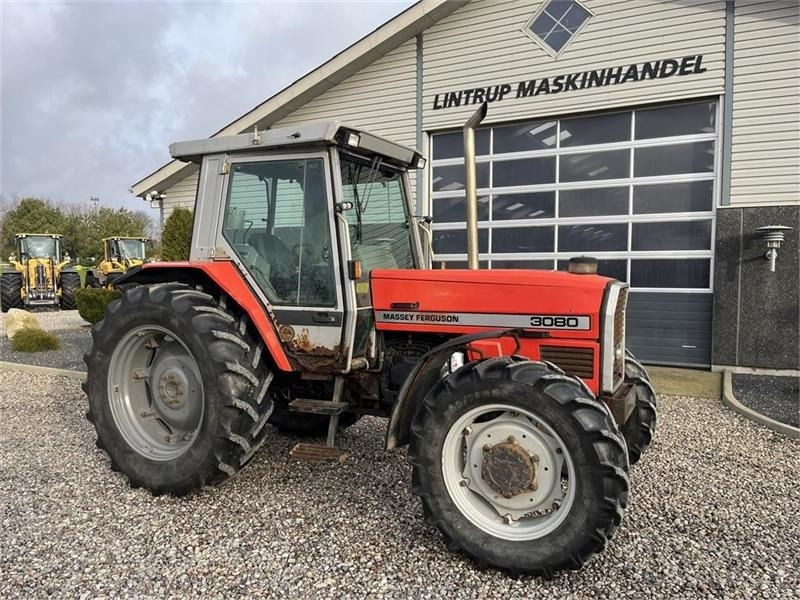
point(634, 188)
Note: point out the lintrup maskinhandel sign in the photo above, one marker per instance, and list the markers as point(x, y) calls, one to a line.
point(657, 69)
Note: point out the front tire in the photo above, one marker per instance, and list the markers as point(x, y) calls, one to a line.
point(11, 291)
point(518, 466)
point(70, 283)
point(177, 388)
point(640, 428)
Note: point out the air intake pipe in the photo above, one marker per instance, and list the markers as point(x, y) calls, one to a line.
point(472, 194)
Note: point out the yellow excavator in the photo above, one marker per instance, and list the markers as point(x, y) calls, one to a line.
point(39, 275)
point(121, 254)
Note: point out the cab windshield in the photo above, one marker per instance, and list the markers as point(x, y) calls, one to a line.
point(378, 223)
point(131, 249)
point(39, 247)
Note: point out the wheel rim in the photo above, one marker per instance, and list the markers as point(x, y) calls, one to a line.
point(480, 444)
point(156, 392)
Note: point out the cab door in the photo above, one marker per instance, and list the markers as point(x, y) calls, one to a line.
point(278, 222)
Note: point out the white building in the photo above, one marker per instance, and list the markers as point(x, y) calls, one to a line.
point(653, 135)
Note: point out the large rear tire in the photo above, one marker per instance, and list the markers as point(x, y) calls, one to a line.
point(70, 283)
point(11, 291)
point(519, 466)
point(640, 427)
point(177, 388)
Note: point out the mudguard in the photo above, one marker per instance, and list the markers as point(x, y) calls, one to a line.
point(227, 278)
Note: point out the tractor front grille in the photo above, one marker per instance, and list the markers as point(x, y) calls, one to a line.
point(619, 335)
point(576, 362)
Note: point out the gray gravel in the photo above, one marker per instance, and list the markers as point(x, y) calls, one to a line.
point(777, 397)
point(713, 513)
point(68, 326)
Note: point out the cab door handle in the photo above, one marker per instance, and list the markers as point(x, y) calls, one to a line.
point(323, 318)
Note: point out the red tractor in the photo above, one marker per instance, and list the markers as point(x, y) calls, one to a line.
point(308, 302)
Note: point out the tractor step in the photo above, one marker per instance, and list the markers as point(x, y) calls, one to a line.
point(317, 407)
point(318, 452)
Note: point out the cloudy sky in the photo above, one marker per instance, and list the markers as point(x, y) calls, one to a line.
point(92, 93)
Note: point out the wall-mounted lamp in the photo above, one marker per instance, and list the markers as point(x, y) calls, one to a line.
point(773, 235)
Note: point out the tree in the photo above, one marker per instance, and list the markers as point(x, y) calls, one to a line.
point(177, 236)
point(30, 215)
point(85, 228)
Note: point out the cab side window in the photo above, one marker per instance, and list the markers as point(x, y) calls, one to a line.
point(277, 221)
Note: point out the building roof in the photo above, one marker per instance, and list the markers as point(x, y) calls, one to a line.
point(367, 50)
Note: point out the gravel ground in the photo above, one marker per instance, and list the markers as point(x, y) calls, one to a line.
point(775, 397)
point(75, 336)
point(713, 513)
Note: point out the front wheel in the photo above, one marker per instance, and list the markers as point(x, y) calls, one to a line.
point(518, 466)
point(11, 291)
point(70, 283)
point(177, 388)
point(640, 427)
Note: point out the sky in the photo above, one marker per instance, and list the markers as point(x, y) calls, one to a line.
point(93, 93)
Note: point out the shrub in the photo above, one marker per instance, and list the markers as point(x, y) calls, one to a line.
point(92, 302)
point(32, 339)
point(176, 238)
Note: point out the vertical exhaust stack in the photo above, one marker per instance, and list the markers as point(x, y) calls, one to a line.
point(472, 194)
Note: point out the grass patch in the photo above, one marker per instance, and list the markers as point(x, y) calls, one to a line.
point(92, 302)
point(32, 339)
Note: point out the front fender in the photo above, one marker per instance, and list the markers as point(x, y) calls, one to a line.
point(423, 377)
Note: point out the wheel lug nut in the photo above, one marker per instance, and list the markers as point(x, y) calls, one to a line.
point(486, 448)
point(464, 482)
point(511, 439)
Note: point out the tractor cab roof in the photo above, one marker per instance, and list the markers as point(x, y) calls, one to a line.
point(50, 235)
point(331, 133)
point(125, 237)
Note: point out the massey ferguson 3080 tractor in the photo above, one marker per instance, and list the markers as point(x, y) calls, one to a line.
point(308, 302)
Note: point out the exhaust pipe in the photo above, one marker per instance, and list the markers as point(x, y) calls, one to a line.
point(472, 194)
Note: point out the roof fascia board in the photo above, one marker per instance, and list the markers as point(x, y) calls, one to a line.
point(370, 48)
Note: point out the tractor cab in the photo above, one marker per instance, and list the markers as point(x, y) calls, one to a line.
point(38, 246)
point(125, 250)
point(306, 214)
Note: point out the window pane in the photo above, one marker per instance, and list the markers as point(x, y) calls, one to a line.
point(678, 235)
point(526, 171)
point(546, 265)
point(522, 239)
point(542, 25)
point(593, 238)
point(536, 135)
point(594, 166)
point(673, 160)
point(448, 179)
point(451, 145)
point(597, 129)
point(691, 196)
point(618, 269)
point(683, 119)
point(452, 241)
point(463, 264)
point(557, 8)
point(593, 202)
point(685, 273)
point(450, 210)
point(558, 38)
point(574, 18)
point(539, 205)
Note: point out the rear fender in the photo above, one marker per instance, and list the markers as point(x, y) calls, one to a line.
point(224, 276)
point(427, 372)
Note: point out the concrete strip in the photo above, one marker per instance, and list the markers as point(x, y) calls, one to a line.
point(756, 371)
point(729, 400)
point(80, 375)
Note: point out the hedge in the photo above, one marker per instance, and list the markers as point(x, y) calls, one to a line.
point(92, 302)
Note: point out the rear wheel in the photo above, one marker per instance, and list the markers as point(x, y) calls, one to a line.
point(177, 388)
point(70, 283)
point(518, 466)
point(11, 291)
point(640, 427)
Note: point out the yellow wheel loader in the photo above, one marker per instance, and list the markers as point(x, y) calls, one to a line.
point(121, 254)
point(40, 276)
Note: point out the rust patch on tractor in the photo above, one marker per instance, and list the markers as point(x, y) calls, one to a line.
point(302, 344)
point(509, 469)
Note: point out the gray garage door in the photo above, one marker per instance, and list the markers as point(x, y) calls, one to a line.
point(634, 188)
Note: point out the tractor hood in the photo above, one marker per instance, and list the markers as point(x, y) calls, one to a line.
point(465, 301)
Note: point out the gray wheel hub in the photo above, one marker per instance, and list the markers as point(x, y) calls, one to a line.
point(155, 392)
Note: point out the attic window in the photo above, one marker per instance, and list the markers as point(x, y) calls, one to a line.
point(556, 23)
